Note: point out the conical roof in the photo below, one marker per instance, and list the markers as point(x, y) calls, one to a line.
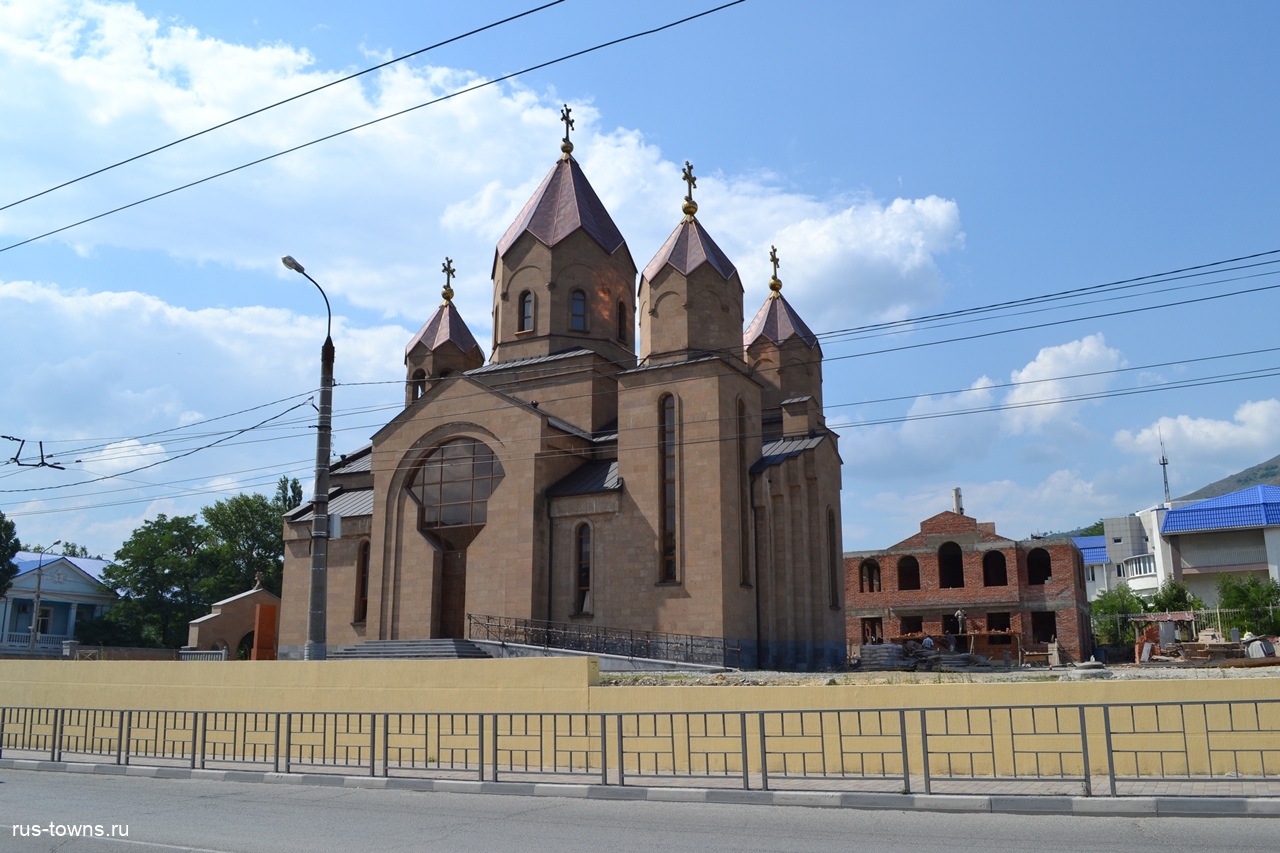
point(445, 326)
point(778, 322)
point(563, 203)
point(689, 247)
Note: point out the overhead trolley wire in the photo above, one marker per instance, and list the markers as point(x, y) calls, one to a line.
point(372, 122)
point(290, 99)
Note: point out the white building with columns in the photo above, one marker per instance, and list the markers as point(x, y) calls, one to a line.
point(69, 590)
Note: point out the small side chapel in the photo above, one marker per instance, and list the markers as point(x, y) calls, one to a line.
point(678, 479)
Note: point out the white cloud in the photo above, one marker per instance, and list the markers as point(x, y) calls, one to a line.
point(1028, 407)
point(121, 456)
point(930, 441)
point(1209, 447)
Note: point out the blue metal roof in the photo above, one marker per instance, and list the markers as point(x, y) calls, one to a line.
point(29, 561)
point(1092, 548)
point(1256, 506)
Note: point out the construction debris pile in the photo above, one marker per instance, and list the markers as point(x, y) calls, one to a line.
point(912, 656)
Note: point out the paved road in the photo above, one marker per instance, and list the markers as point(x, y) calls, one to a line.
point(236, 817)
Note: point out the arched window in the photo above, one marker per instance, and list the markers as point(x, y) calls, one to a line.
point(669, 572)
point(950, 566)
point(1039, 567)
point(362, 582)
point(582, 563)
point(452, 487)
point(994, 570)
point(908, 573)
point(834, 556)
point(578, 311)
point(869, 576)
point(622, 322)
point(524, 321)
point(418, 384)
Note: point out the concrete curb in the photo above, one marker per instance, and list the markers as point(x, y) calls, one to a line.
point(969, 803)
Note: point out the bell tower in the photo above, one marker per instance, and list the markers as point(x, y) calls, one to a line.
point(563, 277)
point(442, 346)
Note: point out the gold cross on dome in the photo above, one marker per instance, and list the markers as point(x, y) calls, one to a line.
point(568, 122)
point(689, 179)
point(449, 273)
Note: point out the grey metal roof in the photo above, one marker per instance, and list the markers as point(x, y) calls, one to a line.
point(689, 247)
point(599, 476)
point(563, 203)
point(493, 367)
point(778, 322)
point(777, 452)
point(350, 503)
point(354, 462)
point(659, 365)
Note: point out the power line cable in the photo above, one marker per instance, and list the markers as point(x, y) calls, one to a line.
point(372, 122)
point(298, 96)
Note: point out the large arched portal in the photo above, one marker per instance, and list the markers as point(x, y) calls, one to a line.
point(451, 486)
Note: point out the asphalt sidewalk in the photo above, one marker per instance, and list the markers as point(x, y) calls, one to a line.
point(1104, 806)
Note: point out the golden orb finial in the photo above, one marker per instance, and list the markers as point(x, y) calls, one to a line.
point(775, 283)
point(449, 272)
point(565, 145)
point(690, 207)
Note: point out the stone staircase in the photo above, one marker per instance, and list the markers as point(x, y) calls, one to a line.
point(409, 650)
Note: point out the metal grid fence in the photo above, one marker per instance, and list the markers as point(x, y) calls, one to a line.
point(1226, 747)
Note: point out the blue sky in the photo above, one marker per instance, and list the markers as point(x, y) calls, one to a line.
point(907, 159)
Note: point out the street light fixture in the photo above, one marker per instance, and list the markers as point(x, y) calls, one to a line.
point(35, 612)
point(317, 611)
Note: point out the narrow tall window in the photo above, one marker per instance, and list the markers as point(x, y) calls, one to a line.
point(995, 571)
point(1039, 567)
point(578, 311)
point(833, 561)
point(362, 582)
point(418, 383)
point(526, 312)
point(622, 322)
point(950, 566)
point(582, 556)
point(744, 498)
point(667, 472)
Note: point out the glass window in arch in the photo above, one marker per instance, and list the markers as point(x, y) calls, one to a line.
point(453, 484)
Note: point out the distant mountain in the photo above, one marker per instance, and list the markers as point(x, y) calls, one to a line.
point(1263, 474)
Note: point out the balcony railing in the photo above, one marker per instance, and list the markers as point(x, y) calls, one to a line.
point(22, 639)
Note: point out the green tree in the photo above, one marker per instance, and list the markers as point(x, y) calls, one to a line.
point(1172, 596)
point(246, 536)
point(1256, 600)
point(288, 494)
point(9, 545)
point(1094, 529)
point(157, 574)
point(1109, 611)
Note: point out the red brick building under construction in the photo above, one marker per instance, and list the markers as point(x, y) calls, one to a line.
point(1017, 595)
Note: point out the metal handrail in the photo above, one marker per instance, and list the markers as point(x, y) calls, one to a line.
point(653, 645)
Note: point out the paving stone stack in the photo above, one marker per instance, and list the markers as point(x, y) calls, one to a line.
point(886, 657)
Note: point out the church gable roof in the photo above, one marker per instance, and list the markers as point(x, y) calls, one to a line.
point(778, 322)
point(445, 326)
point(564, 203)
point(689, 247)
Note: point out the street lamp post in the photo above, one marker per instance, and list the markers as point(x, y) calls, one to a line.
point(317, 611)
point(35, 611)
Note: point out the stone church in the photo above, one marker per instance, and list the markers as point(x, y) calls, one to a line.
point(628, 459)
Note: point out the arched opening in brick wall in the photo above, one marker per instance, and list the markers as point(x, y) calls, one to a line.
point(908, 573)
point(995, 571)
point(1039, 567)
point(950, 566)
point(869, 576)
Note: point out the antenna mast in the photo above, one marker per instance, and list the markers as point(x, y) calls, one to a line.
point(1164, 467)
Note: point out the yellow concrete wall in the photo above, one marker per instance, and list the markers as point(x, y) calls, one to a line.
point(548, 685)
point(559, 684)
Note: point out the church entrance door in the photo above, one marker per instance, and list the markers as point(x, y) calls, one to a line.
point(453, 595)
